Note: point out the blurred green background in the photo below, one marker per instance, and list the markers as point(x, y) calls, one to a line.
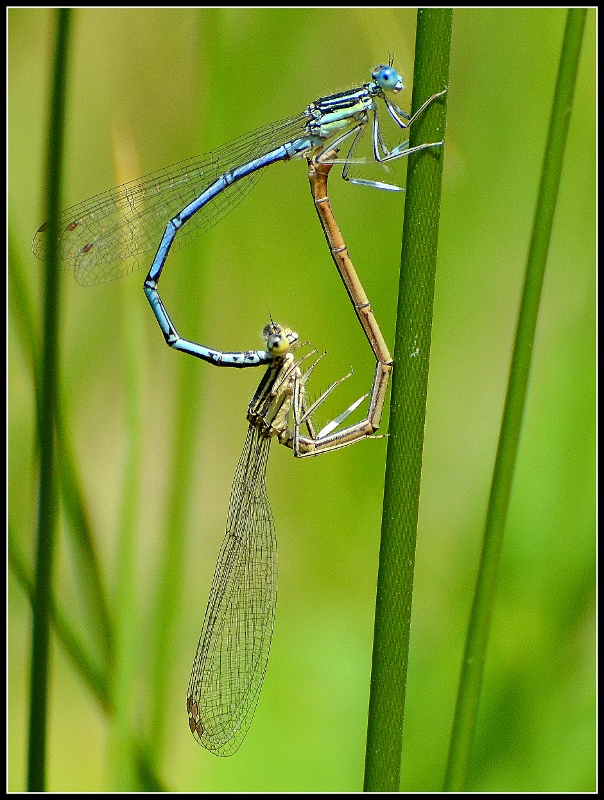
point(151, 87)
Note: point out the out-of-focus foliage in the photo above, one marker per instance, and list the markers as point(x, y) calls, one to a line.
point(151, 87)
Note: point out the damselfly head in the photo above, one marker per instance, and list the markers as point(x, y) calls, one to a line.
point(279, 339)
point(387, 78)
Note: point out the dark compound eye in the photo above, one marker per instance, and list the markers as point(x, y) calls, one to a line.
point(277, 344)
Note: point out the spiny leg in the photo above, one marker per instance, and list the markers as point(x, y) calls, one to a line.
point(320, 400)
point(394, 110)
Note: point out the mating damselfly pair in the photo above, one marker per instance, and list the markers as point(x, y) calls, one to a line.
point(108, 236)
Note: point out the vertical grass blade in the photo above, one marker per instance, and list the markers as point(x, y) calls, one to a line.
point(407, 410)
point(509, 436)
point(79, 532)
point(48, 490)
point(93, 674)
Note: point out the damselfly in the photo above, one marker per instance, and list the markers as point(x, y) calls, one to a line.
point(232, 654)
point(108, 235)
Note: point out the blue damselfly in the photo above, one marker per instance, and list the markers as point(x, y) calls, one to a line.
point(108, 235)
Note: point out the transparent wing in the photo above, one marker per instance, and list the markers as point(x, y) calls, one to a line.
point(235, 640)
point(108, 235)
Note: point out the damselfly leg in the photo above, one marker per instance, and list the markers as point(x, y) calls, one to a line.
point(381, 153)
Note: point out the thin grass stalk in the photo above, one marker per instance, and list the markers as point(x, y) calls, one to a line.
point(407, 410)
point(509, 437)
point(93, 674)
point(79, 532)
point(48, 489)
point(93, 668)
point(23, 318)
point(79, 535)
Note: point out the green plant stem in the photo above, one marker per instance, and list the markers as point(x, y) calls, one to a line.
point(509, 437)
point(80, 537)
point(407, 410)
point(78, 529)
point(92, 673)
point(48, 491)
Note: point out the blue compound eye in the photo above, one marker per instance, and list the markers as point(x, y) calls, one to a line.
point(387, 78)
